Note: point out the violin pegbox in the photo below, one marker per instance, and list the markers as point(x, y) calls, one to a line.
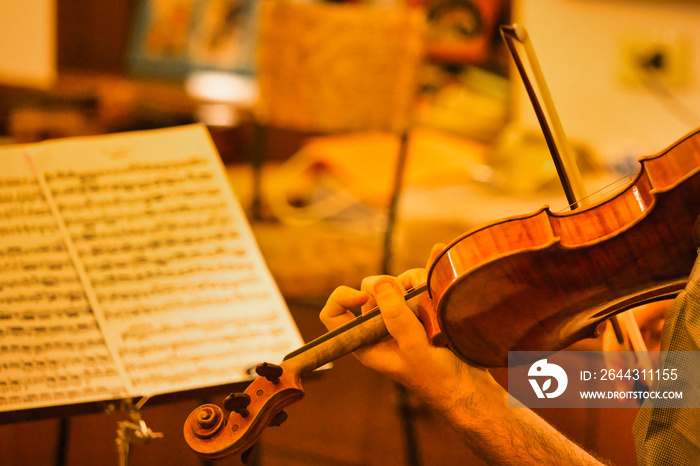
point(211, 435)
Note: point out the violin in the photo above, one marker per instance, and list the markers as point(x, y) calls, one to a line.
point(552, 276)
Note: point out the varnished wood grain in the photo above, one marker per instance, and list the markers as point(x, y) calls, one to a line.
point(540, 282)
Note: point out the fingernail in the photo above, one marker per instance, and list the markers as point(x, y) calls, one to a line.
point(384, 286)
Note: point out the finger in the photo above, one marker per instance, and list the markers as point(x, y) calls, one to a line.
point(417, 277)
point(368, 287)
point(335, 313)
point(434, 254)
point(400, 321)
point(412, 278)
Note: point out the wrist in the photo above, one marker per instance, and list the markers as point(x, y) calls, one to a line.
point(472, 401)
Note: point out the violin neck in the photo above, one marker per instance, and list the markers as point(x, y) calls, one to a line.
point(362, 331)
point(338, 343)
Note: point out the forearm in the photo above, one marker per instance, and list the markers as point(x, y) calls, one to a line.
point(500, 434)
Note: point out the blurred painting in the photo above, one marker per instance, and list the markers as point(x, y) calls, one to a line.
point(460, 31)
point(173, 38)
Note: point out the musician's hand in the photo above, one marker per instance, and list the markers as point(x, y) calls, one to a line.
point(650, 319)
point(407, 356)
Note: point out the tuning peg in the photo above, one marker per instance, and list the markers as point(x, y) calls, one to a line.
point(271, 372)
point(238, 403)
point(279, 419)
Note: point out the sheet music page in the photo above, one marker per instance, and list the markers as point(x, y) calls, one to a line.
point(51, 350)
point(172, 275)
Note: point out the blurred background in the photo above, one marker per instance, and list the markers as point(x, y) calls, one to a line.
point(315, 107)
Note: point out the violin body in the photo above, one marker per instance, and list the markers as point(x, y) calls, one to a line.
point(543, 281)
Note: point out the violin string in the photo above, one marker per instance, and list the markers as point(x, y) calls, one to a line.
point(600, 192)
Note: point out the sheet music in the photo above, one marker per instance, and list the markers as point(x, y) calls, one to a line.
point(167, 290)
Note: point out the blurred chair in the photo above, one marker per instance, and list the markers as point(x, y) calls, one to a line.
point(325, 68)
point(337, 67)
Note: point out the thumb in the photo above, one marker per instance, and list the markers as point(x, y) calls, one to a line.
point(400, 321)
point(435, 253)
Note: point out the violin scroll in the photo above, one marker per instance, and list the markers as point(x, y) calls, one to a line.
point(262, 403)
point(213, 436)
